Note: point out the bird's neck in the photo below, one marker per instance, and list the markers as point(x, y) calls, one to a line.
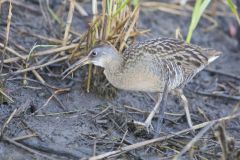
point(115, 65)
point(114, 72)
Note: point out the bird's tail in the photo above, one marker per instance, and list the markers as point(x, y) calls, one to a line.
point(212, 54)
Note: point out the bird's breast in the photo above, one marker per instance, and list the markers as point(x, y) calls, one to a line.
point(135, 81)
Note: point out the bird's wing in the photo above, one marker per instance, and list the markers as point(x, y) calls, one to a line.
point(164, 48)
point(190, 58)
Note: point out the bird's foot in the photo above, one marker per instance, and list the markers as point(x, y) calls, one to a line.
point(146, 125)
point(141, 129)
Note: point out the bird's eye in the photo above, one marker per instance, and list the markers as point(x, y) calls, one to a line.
point(94, 53)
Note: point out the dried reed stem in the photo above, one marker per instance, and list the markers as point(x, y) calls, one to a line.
point(7, 34)
point(69, 22)
point(151, 141)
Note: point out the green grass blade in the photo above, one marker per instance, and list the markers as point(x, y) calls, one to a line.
point(55, 16)
point(122, 6)
point(233, 9)
point(198, 10)
point(38, 46)
point(135, 3)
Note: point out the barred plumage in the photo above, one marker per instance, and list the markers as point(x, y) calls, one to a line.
point(145, 66)
point(158, 57)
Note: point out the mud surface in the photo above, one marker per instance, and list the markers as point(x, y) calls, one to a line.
point(94, 121)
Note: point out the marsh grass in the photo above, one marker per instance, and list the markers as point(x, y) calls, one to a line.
point(199, 8)
point(198, 11)
point(115, 24)
point(3, 96)
point(233, 8)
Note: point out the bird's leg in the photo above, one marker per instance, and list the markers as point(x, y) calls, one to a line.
point(162, 110)
point(148, 121)
point(162, 99)
point(184, 101)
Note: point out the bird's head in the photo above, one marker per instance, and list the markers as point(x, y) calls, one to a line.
point(101, 55)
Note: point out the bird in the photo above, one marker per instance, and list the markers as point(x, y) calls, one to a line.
point(151, 66)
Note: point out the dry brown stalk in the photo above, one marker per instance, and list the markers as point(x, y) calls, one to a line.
point(69, 22)
point(12, 141)
point(194, 140)
point(39, 66)
point(227, 143)
point(151, 141)
point(49, 39)
point(7, 34)
point(134, 18)
point(81, 10)
point(11, 51)
point(24, 137)
point(42, 53)
point(6, 96)
point(39, 77)
point(7, 122)
point(58, 113)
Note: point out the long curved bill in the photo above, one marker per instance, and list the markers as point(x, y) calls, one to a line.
point(75, 66)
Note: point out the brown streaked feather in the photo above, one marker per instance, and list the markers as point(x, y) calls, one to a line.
point(188, 57)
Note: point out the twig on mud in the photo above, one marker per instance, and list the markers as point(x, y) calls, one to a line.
point(135, 109)
point(9, 140)
point(124, 136)
point(54, 94)
point(147, 113)
point(35, 81)
point(11, 51)
point(7, 122)
point(41, 53)
point(57, 150)
point(203, 114)
point(94, 147)
point(194, 140)
point(18, 46)
point(166, 147)
point(151, 141)
point(6, 96)
point(46, 85)
point(236, 98)
point(59, 76)
point(35, 112)
point(116, 124)
point(227, 143)
point(30, 130)
point(39, 66)
point(23, 107)
point(223, 73)
point(105, 110)
point(58, 113)
point(24, 137)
